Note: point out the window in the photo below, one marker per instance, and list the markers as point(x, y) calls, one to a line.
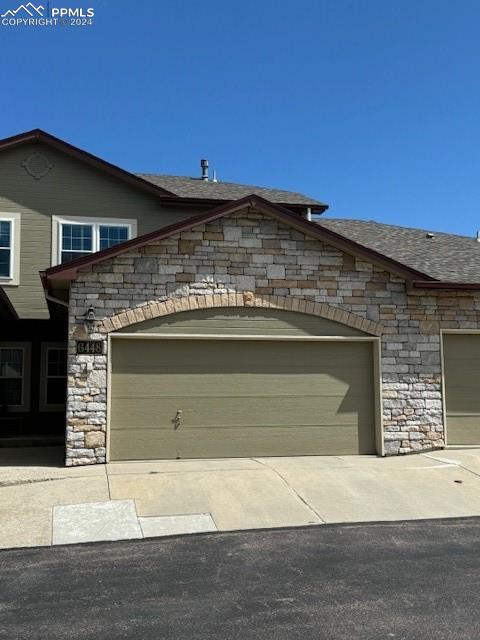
point(77, 241)
point(14, 361)
point(77, 237)
point(110, 236)
point(6, 237)
point(9, 249)
point(54, 377)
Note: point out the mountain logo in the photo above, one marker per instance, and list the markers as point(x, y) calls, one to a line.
point(28, 8)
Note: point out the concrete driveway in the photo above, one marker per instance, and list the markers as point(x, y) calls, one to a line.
point(43, 504)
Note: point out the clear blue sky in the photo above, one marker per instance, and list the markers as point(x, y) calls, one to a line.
point(372, 106)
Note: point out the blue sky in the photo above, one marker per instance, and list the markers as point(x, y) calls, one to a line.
point(371, 106)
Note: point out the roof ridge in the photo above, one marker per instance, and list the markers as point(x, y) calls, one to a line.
point(229, 182)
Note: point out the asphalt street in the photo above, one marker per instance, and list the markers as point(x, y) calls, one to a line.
point(394, 580)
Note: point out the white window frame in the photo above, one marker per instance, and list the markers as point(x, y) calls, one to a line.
point(43, 405)
point(26, 363)
point(14, 278)
point(96, 223)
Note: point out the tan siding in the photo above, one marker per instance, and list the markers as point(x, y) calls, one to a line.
point(240, 398)
point(462, 388)
point(69, 189)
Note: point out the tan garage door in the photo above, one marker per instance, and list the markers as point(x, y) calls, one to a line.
point(461, 354)
point(240, 398)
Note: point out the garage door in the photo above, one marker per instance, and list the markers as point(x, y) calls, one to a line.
point(207, 398)
point(461, 355)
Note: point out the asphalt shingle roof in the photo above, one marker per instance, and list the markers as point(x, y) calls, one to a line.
point(186, 187)
point(444, 256)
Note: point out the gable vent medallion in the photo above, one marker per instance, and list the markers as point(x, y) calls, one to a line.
point(37, 165)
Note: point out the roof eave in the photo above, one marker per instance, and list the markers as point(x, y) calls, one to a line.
point(446, 285)
point(215, 202)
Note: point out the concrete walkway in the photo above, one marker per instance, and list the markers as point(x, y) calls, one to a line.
point(43, 503)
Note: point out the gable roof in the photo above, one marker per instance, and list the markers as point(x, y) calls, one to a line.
point(170, 189)
point(69, 270)
point(445, 256)
point(186, 187)
point(39, 136)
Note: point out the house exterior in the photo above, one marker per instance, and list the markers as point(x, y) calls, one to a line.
point(148, 317)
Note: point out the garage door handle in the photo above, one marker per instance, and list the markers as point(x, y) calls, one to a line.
point(176, 420)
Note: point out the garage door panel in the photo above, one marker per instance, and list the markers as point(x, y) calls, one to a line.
point(307, 366)
point(245, 443)
point(240, 398)
point(147, 444)
point(243, 321)
point(461, 354)
point(176, 355)
point(464, 400)
point(199, 385)
point(232, 411)
point(461, 348)
point(463, 429)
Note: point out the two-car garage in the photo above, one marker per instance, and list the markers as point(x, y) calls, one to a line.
point(241, 383)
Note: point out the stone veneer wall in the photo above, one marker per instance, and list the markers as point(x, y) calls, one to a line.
point(254, 260)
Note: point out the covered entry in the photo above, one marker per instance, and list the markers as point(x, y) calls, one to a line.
point(185, 388)
point(461, 362)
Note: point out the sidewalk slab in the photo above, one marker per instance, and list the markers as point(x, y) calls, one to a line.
point(95, 521)
point(181, 466)
point(154, 526)
point(26, 509)
point(236, 499)
point(467, 458)
point(369, 494)
point(321, 463)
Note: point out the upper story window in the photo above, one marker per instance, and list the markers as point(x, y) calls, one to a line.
point(6, 237)
point(76, 241)
point(9, 248)
point(77, 237)
point(112, 235)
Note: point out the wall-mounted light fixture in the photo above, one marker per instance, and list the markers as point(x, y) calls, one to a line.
point(89, 317)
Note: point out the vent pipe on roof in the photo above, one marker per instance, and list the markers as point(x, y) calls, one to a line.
point(309, 214)
point(204, 167)
point(478, 236)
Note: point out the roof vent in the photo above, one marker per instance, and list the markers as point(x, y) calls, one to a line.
point(429, 235)
point(204, 167)
point(478, 236)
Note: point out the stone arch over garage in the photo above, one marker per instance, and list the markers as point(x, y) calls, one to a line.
point(155, 309)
